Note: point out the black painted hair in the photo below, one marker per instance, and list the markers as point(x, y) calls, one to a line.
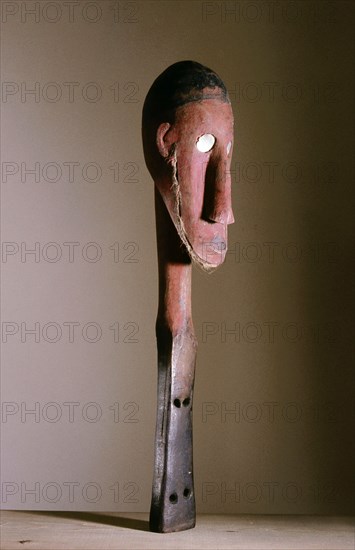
point(181, 83)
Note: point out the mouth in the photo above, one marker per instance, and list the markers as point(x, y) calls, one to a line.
point(218, 243)
point(213, 253)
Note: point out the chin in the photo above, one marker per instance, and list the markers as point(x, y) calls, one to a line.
point(212, 257)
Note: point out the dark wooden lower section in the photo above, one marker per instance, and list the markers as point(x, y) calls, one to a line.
point(173, 497)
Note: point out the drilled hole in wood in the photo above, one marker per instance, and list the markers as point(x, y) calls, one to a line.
point(187, 492)
point(186, 402)
point(177, 403)
point(173, 498)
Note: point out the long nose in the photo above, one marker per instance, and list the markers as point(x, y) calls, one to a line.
point(218, 198)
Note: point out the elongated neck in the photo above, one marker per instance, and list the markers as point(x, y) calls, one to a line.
point(174, 311)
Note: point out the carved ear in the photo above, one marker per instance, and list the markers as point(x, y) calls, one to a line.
point(162, 141)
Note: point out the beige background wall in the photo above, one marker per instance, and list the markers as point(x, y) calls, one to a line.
point(272, 409)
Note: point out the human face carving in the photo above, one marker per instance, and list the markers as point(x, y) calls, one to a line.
point(198, 146)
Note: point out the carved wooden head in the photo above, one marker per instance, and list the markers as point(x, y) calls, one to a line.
point(187, 131)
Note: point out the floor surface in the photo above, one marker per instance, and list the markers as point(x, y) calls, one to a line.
point(89, 531)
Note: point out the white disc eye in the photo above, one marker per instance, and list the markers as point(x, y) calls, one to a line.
point(205, 143)
point(229, 147)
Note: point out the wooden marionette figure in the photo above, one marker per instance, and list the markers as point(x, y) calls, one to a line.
point(187, 131)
